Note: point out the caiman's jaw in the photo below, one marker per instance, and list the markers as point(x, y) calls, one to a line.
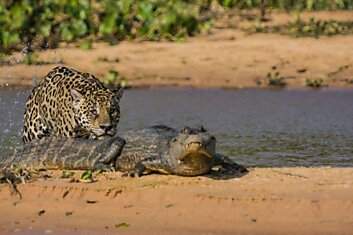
point(195, 150)
point(196, 159)
point(192, 151)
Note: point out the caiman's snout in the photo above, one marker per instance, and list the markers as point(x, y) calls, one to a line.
point(195, 142)
point(194, 146)
point(198, 146)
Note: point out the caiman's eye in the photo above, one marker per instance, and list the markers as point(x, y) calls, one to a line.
point(174, 140)
point(186, 130)
point(94, 112)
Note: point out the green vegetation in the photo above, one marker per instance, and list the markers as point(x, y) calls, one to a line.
point(41, 24)
point(289, 4)
point(122, 225)
point(314, 82)
point(86, 175)
point(113, 78)
point(311, 28)
point(274, 79)
point(32, 59)
point(67, 174)
point(28, 59)
point(44, 23)
point(86, 44)
point(316, 28)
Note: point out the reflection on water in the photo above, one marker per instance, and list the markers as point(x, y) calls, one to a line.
point(256, 127)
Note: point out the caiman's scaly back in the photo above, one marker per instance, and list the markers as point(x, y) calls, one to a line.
point(65, 153)
point(188, 152)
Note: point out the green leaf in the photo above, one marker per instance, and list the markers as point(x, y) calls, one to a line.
point(86, 175)
point(65, 32)
point(109, 24)
point(122, 225)
point(112, 75)
point(18, 15)
point(67, 174)
point(45, 30)
point(79, 28)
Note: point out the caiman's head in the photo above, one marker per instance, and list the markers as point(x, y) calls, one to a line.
point(192, 150)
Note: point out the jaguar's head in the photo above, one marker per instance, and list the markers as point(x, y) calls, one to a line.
point(97, 113)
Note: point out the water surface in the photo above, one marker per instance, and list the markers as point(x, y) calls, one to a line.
point(255, 127)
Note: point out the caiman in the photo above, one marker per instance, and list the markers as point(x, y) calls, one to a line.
point(188, 152)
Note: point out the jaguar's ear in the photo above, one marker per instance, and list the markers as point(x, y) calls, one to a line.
point(77, 98)
point(119, 92)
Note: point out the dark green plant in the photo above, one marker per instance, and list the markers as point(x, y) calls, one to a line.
point(314, 82)
point(86, 176)
point(44, 23)
point(32, 59)
point(275, 79)
point(39, 24)
point(289, 4)
point(113, 78)
point(311, 28)
point(316, 28)
point(122, 225)
point(67, 174)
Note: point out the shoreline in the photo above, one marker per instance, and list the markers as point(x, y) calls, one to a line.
point(19, 87)
point(226, 58)
point(265, 201)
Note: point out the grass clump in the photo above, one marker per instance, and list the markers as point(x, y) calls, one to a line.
point(309, 5)
point(314, 82)
point(317, 28)
point(311, 28)
point(274, 79)
point(113, 79)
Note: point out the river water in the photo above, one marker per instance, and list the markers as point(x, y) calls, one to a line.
point(262, 128)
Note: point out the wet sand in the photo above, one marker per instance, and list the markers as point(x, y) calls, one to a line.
point(265, 201)
point(225, 58)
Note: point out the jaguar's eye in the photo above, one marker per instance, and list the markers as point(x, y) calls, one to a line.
point(94, 112)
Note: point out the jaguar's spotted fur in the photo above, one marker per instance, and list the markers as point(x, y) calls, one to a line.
point(71, 103)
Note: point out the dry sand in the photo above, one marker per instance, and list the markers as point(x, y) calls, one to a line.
point(226, 58)
point(265, 201)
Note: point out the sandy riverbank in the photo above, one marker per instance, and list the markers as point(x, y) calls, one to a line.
point(265, 201)
point(225, 58)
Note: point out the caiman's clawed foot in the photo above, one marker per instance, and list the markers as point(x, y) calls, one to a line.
point(132, 173)
point(234, 168)
point(229, 167)
point(136, 172)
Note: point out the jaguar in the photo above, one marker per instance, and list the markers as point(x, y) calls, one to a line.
point(71, 103)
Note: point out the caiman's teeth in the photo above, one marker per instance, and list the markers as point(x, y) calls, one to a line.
point(195, 144)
